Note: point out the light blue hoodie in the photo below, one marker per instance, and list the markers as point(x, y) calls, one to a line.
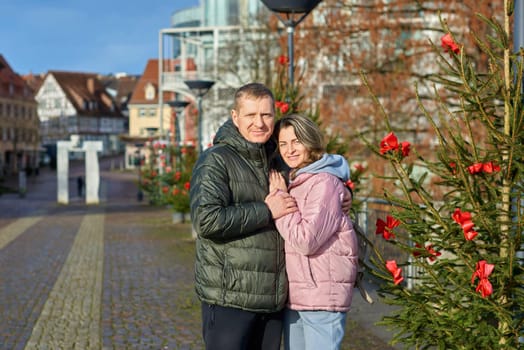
point(333, 164)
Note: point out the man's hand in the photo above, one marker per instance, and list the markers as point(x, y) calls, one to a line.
point(346, 201)
point(280, 204)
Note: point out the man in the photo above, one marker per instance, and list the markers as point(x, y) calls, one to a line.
point(240, 268)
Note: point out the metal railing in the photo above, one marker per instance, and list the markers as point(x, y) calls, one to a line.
point(375, 208)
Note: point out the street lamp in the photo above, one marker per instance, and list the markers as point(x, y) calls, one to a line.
point(199, 88)
point(178, 106)
point(290, 8)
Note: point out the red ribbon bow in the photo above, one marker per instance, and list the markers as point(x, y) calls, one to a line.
point(390, 143)
point(429, 248)
point(483, 270)
point(488, 167)
point(464, 220)
point(396, 271)
point(448, 44)
point(385, 228)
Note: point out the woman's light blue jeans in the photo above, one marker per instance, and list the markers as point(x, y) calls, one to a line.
point(313, 330)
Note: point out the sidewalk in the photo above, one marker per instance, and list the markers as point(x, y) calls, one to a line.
point(367, 315)
point(118, 275)
point(92, 277)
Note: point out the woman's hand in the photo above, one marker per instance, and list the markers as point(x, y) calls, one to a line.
point(276, 181)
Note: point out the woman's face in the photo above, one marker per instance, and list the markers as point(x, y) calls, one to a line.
point(293, 152)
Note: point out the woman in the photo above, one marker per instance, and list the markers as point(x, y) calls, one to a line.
point(320, 243)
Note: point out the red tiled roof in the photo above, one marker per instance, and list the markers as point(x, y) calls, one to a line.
point(123, 86)
point(34, 81)
point(81, 88)
point(150, 76)
point(19, 88)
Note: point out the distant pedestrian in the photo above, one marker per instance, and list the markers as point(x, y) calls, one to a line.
point(80, 185)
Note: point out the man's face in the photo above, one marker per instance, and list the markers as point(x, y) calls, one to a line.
point(255, 118)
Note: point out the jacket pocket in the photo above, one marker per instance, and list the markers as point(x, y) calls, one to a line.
point(344, 269)
point(307, 273)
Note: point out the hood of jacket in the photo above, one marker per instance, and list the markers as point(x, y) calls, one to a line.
point(333, 164)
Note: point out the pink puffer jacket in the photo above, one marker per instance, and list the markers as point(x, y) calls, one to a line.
point(321, 245)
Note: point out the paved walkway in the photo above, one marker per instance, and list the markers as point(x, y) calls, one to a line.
point(100, 277)
point(91, 277)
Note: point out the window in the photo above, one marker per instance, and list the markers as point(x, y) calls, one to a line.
point(232, 12)
point(150, 92)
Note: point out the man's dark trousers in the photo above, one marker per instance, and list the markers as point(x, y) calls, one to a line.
point(226, 328)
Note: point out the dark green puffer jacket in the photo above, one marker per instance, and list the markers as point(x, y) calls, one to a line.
point(240, 259)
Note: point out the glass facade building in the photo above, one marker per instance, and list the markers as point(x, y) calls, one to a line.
point(207, 41)
point(217, 13)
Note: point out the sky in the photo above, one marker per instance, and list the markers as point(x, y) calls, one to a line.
point(94, 36)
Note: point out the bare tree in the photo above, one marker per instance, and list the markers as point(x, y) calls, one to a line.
point(388, 43)
point(248, 55)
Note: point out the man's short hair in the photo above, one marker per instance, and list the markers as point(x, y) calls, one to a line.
point(253, 90)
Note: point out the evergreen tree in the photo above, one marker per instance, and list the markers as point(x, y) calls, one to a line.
point(459, 283)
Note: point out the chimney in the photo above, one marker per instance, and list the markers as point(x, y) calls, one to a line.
point(91, 85)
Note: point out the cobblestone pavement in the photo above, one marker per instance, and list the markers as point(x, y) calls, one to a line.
point(118, 275)
point(92, 277)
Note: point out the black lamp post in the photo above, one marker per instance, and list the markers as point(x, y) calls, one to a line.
point(178, 106)
point(199, 88)
point(291, 13)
